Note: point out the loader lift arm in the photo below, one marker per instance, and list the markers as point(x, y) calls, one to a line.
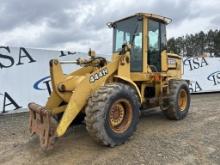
point(41, 118)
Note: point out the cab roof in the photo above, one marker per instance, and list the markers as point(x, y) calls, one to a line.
point(149, 15)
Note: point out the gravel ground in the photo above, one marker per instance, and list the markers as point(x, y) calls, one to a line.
point(194, 140)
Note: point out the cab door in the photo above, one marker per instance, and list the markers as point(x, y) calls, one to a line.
point(156, 44)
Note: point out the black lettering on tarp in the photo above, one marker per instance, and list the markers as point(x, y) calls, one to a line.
point(9, 58)
point(26, 55)
point(214, 77)
point(71, 53)
point(11, 102)
point(204, 62)
point(45, 80)
point(62, 53)
point(197, 87)
point(48, 86)
point(194, 87)
point(195, 63)
point(189, 63)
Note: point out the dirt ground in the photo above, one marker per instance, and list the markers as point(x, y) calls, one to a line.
point(194, 140)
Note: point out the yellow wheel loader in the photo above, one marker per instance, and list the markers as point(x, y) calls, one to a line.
point(111, 94)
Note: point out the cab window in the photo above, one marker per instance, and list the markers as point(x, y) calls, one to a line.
point(130, 31)
point(156, 43)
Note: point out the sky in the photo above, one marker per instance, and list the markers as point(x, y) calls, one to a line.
point(81, 24)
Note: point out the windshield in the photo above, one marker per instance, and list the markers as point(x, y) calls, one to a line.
point(130, 31)
point(127, 31)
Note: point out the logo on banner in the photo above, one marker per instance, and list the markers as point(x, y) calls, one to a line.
point(215, 78)
point(195, 63)
point(194, 87)
point(43, 84)
point(62, 53)
point(7, 61)
point(8, 101)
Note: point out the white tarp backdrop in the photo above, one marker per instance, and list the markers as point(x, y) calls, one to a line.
point(24, 75)
point(204, 74)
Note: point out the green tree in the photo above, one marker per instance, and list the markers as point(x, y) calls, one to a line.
point(197, 44)
point(171, 45)
point(210, 42)
point(217, 44)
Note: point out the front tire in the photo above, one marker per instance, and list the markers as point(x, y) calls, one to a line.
point(112, 114)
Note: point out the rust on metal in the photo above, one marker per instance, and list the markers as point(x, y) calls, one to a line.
point(40, 123)
point(182, 99)
point(120, 116)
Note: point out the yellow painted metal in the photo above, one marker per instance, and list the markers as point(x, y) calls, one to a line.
point(71, 92)
point(58, 109)
point(124, 65)
point(74, 78)
point(145, 47)
point(58, 76)
point(175, 66)
point(117, 114)
point(82, 71)
point(70, 83)
point(124, 72)
point(182, 100)
point(174, 55)
point(75, 88)
point(164, 61)
point(150, 15)
point(53, 101)
point(130, 82)
point(80, 95)
point(137, 76)
point(120, 116)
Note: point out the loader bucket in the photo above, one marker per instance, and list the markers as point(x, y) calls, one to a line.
point(40, 123)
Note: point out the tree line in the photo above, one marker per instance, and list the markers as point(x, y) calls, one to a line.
point(199, 44)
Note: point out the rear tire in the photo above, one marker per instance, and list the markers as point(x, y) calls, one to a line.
point(112, 114)
point(177, 105)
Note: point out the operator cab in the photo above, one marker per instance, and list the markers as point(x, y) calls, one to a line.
point(132, 30)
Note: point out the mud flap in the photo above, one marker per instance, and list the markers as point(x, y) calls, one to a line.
point(40, 123)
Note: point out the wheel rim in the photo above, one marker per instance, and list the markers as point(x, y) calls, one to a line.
point(120, 116)
point(182, 100)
